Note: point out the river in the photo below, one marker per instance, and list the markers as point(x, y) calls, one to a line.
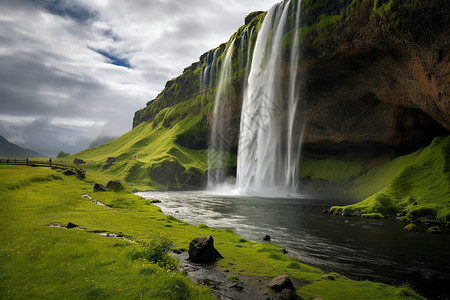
point(378, 250)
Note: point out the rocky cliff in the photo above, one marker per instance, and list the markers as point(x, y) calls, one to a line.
point(373, 74)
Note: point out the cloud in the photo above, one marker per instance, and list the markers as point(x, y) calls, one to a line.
point(73, 70)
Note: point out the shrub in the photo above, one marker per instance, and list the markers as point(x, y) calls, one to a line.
point(156, 252)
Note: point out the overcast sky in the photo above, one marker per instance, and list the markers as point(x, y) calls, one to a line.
point(74, 70)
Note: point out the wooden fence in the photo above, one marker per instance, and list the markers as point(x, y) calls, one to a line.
point(25, 162)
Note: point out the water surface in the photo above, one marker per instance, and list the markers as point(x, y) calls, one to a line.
point(378, 250)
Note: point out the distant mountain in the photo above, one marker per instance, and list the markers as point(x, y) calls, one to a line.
point(8, 149)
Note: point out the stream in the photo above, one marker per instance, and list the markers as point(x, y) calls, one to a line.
point(377, 250)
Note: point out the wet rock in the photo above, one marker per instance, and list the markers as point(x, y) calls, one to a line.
point(280, 283)
point(78, 161)
point(344, 214)
point(99, 187)
point(266, 237)
point(69, 173)
point(326, 211)
point(435, 230)
point(114, 185)
point(328, 277)
point(201, 250)
point(284, 251)
point(288, 294)
point(359, 214)
point(71, 225)
point(411, 227)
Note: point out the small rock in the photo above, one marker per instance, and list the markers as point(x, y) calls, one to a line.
point(237, 286)
point(266, 237)
point(344, 214)
point(280, 283)
point(411, 227)
point(78, 161)
point(359, 213)
point(114, 185)
point(71, 225)
point(326, 211)
point(69, 173)
point(201, 250)
point(111, 160)
point(328, 277)
point(435, 230)
point(284, 251)
point(99, 187)
point(288, 294)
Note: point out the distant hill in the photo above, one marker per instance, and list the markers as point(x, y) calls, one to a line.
point(8, 149)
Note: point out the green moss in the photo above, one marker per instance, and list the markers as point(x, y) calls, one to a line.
point(416, 185)
point(411, 227)
point(232, 278)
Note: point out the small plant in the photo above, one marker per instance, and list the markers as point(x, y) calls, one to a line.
point(232, 278)
point(156, 252)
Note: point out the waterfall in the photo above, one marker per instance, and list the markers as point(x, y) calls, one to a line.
point(270, 130)
point(268, 153)
point(219, 148)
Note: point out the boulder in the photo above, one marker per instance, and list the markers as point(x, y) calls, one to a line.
point(78, 161)
point(71, 225)
point(114, 185)
point(201, 250)
point(288, 294)
point(280, 283)
point(99, 187)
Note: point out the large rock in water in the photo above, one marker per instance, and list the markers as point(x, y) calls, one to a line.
point(201, 250)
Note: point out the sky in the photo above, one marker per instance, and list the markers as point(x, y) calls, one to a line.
point(72, 71)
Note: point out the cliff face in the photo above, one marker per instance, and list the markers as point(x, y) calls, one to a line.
point(372, 75)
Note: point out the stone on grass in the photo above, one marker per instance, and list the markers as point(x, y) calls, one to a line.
point(78, 161)
point(201, 250)
point(99, 187)
point(114, 185)
point(69, 173)
point(280, 283)
point(111, 160)
point(71, 225)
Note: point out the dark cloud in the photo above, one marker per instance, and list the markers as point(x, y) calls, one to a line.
point(70, 9)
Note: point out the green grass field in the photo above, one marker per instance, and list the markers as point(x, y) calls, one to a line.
point(43, 262)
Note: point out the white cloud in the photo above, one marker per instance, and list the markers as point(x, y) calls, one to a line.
point(55, 74)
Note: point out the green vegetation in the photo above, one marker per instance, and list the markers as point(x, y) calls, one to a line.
point(40, 261)
point(416, 186)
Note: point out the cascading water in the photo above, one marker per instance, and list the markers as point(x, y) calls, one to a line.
point(270, 132)
point(268, 153)
point(218, 154)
